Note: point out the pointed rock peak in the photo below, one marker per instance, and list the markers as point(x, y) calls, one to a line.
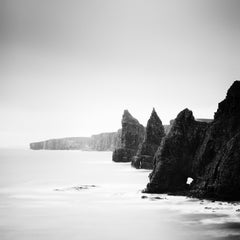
point(154, 113)
point(127, 117)
point(154, 116)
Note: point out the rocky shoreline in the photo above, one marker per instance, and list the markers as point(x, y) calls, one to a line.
point(208, 151)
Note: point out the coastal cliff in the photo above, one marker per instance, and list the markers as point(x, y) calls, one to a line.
point(207, 152)
point(71, 143)
point(105, 141)
point(217, 164)
point(98, 142)
point(131, 137)
point(152, 139)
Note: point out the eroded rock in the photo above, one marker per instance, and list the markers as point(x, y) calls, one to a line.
point(131, 137)
point(153, 137)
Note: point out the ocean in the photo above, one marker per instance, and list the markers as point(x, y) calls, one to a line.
point(76, 195)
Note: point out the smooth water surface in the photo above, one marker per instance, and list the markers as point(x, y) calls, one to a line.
point(60, 195)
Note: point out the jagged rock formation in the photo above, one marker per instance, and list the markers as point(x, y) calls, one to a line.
point(217, 164)
point(99, 142)
point(131, 137)
point(153, 137)
point(173, 159)
point(207, 152)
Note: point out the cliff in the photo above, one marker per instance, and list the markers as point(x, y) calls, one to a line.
point(131, 137)
point(207, 152)
point(99, 142)
point(152, 139)
point(105, 141)
point(217, 164)
point(71, 143)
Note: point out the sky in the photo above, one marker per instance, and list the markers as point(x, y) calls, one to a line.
point(70, 67)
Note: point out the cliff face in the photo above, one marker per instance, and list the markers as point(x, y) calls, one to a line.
point(153, 137)
point(131, 137)
point(207, 152)
point(105, 141)
point(72, 143)
point(217, 164)
point(99, 142)
point(173, 159)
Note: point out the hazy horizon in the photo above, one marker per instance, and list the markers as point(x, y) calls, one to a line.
point(70, 68)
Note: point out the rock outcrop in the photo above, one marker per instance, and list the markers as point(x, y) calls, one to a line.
point(173, 159)
point(152, 139)
point(207, 152)
point(131, 137)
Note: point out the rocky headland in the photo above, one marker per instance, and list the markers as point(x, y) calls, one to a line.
point(131, 137)
point(207, 152)
point(152, 139)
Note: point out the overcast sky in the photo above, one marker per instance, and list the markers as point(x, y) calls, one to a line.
point(70, 68)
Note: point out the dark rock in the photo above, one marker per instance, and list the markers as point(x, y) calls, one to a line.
point(153, 137)
point(76, 188)
point(207, 152)
point(131, 137)
point(173, 159)
point(218, 160)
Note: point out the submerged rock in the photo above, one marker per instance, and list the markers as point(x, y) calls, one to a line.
point(153, 137)
point(76, 188)
point(207, 152)
point(131, 137)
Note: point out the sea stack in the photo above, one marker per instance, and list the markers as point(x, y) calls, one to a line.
point(207, 152)
point(132, 135)
point(153, 137)
point(173, 159)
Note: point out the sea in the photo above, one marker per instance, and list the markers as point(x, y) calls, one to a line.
point(77, 195)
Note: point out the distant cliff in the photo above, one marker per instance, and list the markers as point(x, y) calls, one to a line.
point(98, 142)
point(71, 143)
point(105, 141)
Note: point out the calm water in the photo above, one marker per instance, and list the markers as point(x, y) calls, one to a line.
point(43, 196)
